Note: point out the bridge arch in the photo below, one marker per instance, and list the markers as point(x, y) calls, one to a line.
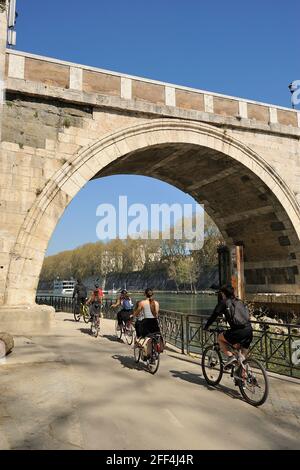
point(255, 206)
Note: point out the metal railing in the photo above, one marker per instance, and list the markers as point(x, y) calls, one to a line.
point(63, 303)
point(279, 351)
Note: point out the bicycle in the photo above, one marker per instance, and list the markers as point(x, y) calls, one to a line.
point(95, 323)
point(153, 360)
point(126, 329)
point(84, 312)
point(248, 374)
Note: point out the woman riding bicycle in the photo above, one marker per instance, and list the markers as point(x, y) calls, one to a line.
point(147, 314)
point(127, 307)
point(95, 302)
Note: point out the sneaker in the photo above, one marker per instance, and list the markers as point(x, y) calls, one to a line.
point(230, 361)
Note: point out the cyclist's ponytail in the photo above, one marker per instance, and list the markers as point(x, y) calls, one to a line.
point(149, 295)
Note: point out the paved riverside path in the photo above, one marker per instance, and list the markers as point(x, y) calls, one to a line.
point(69, 390)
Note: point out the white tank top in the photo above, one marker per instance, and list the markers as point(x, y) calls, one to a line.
point(146, 311)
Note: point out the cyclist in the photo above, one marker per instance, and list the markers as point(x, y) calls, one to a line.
point(80, 292)
point(95, 302)
point(237, 315)
point(100, 291)
point(125, 302)
point(147, 313)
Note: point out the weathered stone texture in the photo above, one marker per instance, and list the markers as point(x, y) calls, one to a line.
point(190, 100)
point(288, 118)
point(148, 92)
point(30, 122)
point(226, 107)
point(47, 72)
point(258, 112)
point(245, 171)
point(103, 83)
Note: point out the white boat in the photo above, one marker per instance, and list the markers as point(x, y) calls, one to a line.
point(64, 287)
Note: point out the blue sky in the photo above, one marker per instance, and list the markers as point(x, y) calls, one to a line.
point(241, 48)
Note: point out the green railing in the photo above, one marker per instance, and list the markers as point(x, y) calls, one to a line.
point(278, 351)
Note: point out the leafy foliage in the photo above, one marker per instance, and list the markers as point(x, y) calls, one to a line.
point(124, 256)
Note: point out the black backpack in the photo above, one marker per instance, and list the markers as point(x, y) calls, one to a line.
point(82, 292)
point(237, 312)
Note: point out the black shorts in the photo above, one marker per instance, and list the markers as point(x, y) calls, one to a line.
point(124, 316)
point(149, 325)
point(95, 308)
point(242, 336)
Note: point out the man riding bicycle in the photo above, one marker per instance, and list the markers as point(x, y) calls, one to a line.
point(127, 307)
point(237, 315)
point(80, 292)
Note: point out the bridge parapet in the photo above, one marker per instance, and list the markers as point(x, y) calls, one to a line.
point(39, 75)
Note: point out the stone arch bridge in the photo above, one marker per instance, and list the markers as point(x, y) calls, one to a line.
point(63, 124)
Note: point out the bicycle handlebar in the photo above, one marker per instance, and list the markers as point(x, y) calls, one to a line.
point(215, 330)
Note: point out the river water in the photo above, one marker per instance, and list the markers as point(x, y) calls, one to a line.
point(185, 303)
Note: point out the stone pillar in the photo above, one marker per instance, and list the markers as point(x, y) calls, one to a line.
point(14, 319)
point(3, 36)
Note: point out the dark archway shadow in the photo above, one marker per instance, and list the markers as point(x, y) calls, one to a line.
point(129, 362)
point(199, 380)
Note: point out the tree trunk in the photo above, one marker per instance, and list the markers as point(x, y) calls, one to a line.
point(7, 340)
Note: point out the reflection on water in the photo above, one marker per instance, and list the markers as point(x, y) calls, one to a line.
point(183, 302)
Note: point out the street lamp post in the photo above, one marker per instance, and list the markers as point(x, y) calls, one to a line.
point(11, 22)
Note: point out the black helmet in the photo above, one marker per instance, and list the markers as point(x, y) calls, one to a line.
point(228, 290)
point(96, 285)
point(123, 291)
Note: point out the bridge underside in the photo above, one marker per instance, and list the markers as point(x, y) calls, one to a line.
point(244, 208)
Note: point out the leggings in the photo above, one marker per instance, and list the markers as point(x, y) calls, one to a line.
point(124, 316)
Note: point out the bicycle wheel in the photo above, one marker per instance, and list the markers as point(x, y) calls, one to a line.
point(153, 361)
point(86, 313)
point(129, 332)
point(76, 313)
point(212, 365)
point(118, 329)
point(137, 354)
point(253, 382)
point(95, 326)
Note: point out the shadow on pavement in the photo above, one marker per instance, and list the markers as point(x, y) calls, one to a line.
point(129, 363)
point(185, 359)
point(198, 380)
point(86, 331)
point(113, 338)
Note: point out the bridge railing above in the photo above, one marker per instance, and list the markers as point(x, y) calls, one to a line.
point(74, 82)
